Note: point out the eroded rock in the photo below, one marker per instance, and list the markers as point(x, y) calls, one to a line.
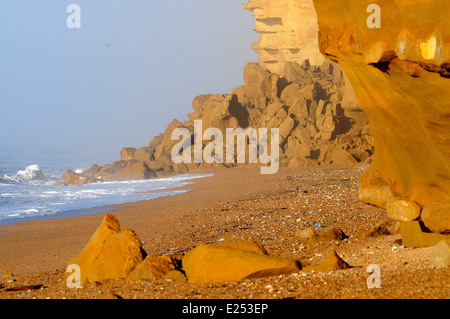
point(111, 253)
point(233, 262)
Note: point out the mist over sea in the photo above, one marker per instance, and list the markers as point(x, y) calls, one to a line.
point(27, 190)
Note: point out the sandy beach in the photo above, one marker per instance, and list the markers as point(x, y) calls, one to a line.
point(233, 204)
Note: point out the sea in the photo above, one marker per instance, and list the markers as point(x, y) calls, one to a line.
point(28, 191)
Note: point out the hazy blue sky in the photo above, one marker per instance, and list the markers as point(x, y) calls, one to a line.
point(118, 81)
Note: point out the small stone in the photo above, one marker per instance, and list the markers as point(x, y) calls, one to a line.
point(329, 235)
point(304, 234)
point(331, 263)
point(440, 255)
point(269, 288)
point(8, 274)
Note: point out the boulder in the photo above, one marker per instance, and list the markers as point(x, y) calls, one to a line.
point(132, 170)
point(299, 108)
point(233, 262)
point(127, 153)
point(72, 178)
point(290, 94)
point(402, 210)
point(111, 253)
point(286, 127)
point(342, 157)
point(257, 82)
point(145, 154)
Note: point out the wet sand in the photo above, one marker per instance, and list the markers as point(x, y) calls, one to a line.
point(234, 204)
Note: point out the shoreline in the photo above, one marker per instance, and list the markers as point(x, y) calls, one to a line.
point(171, 191)
point(235, 204)
point(21, 232)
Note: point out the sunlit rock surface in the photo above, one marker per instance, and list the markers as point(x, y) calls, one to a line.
point(400, 73)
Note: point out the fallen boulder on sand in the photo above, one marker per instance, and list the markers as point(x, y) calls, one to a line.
point(233, 262)
point(111, 253)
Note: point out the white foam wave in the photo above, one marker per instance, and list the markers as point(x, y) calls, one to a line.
point(30, 174)
point(37, 199)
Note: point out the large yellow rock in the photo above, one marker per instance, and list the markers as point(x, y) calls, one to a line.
point(401, 75)
point(233, 262)
point(111, 253)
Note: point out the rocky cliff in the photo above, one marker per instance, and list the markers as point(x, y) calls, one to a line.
point(400, 73)
point(288, 33)
point(293, 88)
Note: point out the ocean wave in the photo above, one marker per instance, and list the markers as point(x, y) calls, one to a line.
point(32, 174)
point(36, 199)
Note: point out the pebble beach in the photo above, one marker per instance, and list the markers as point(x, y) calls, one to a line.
point(233, 205)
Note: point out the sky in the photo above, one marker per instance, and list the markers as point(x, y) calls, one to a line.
point(122, 77)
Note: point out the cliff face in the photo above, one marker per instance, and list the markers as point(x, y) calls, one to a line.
point(401, 74)
point(288, 33)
